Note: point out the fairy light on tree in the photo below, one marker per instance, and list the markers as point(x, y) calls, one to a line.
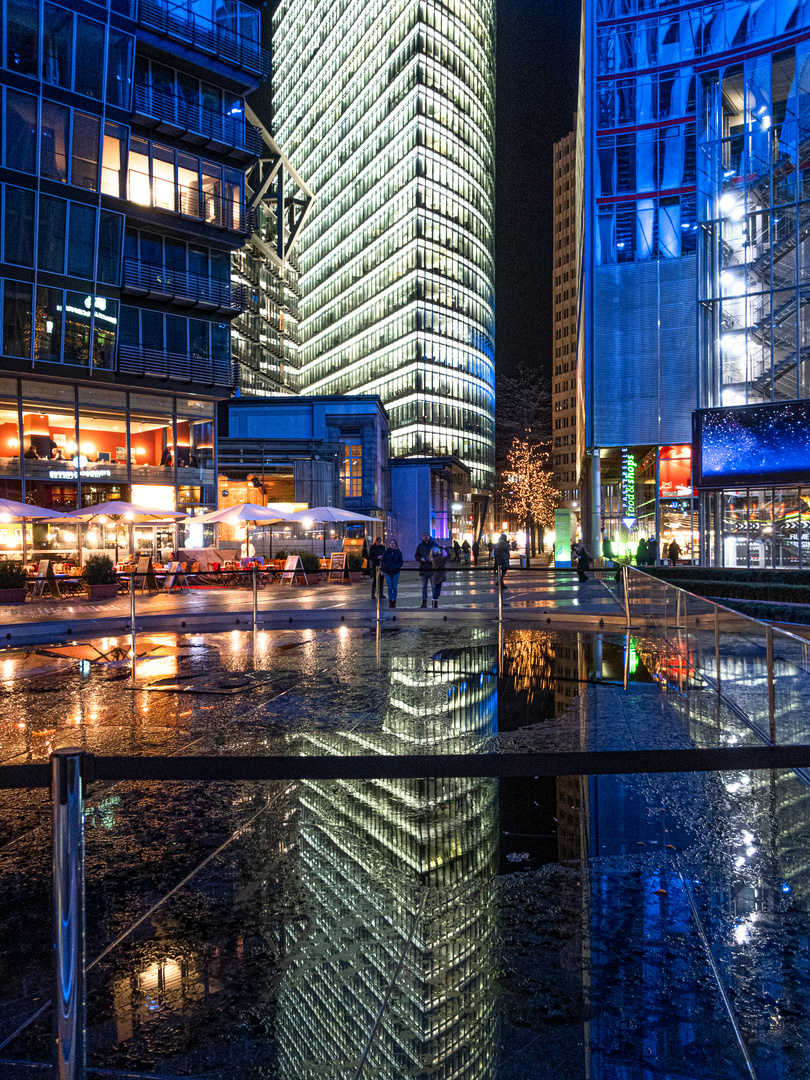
point(528, 492)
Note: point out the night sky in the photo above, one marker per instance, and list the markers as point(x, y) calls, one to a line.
point(537, 58)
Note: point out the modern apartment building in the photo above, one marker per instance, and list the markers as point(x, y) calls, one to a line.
point(694, 244)
point(124, 153)
point(387, 108)
point(564, 266)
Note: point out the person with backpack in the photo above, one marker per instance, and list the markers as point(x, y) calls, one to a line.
point(423, 556)
point(439, 562)
point(502, 556)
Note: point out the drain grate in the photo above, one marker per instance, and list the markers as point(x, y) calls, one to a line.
point(218, 682)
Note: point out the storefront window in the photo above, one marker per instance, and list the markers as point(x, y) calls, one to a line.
point(9, 440)
point(103, 451)
point(787, 529)
point(151, 441)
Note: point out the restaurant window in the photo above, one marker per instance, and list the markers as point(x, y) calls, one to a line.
point(18, 226)
point(49, 441)
point(103, 444)
point(351, 470)
point(52, 232)
point(21, 132)
point(17, 312)
point(151, 439)
point(9, 439)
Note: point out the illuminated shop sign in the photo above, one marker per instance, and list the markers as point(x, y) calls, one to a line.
point(628, 484)
point(87, 474)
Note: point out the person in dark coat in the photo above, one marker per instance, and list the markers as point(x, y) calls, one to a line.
point(502, 556)
point(583, 563)
point(476, 547)
point(674, 552)
point(607, 550)
point(439, 560)
point(390, 566)
point(423, 557)
point(457, 551)
point(652, 552)
point(641, 553)
point(465, 550)
point(375, 553)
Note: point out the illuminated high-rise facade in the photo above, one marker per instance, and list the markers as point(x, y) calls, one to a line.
point(388, 109)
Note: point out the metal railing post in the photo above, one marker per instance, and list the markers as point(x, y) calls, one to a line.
point(69, 997)
point(500, 594)
point(255, 574)
point(771, 687)
point(717, 648)
point(626, 590)
point(378, 588)
point(133, 643)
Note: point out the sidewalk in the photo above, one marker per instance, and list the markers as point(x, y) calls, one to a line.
point(465, 595)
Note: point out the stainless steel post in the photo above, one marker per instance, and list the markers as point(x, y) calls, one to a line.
point(69, 998)
point(255, 573)
point(133, 642)
point(500, 594)
point(626, 588)
point(771, 687)
point(717, 647)
point(378, 588)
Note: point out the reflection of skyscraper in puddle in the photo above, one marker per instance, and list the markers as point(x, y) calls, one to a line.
point(391, 953)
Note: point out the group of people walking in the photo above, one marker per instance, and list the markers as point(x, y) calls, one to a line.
point(647, 553)
point(432, 561)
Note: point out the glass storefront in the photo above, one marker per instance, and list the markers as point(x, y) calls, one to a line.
point(759, 528)
point(66, 447)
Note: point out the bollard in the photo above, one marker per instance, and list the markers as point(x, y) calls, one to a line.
point(132, 623)
point(626, 583)
point(255, 572)
point(378, 588)
point(771, 687)
point(69, 997)
point(500, 594)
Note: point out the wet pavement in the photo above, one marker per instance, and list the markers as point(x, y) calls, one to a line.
point(631, 927)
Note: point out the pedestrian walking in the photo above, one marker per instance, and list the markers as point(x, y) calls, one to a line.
point(457, 551)
point(423, 556)
point(439, 561)
point(502, 557)
point(652, 551)
point(375, 553)
point(607, 549)
point(583, 563)
point(390, 566)
point(674, 552)
point(465, 551)
point(490, 549)
point(641, 553)
point(476, 548)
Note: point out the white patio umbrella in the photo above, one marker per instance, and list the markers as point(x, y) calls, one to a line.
point(330, 513)
point(244, 514)
point(118, 510)
point(13, 511)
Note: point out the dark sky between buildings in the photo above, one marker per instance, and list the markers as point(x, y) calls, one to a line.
point(537, 58)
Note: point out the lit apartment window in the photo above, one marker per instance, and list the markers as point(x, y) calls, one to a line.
point(351, 470)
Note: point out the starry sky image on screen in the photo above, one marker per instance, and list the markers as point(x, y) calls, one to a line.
point(757, 443)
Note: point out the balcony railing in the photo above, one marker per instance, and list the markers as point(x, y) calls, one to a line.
point(158, 364)
point(203, 291)
point(176, 21)
point(197, 120)
point(208, 206)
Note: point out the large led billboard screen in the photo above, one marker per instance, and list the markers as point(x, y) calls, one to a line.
point(752, 445)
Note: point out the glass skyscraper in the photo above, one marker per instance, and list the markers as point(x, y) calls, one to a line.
point(387, 108)
point(695, 234)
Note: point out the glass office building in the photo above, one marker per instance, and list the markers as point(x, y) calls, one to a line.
point(387, 108)
point(122, 195)
point(693, 182)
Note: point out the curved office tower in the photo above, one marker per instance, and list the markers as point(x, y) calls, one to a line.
point(388, 110)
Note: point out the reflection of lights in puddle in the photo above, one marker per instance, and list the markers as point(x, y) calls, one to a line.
point(161, 665)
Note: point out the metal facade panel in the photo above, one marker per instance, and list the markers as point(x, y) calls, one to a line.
point(644, 352)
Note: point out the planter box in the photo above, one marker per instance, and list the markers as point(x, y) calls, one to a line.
point(12, 596)
point(103, 592)
point(313, 577)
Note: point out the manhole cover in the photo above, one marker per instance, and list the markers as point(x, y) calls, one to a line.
point(217, 682)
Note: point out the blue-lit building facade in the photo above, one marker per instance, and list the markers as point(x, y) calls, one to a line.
point(124, 152)
point(694, 226)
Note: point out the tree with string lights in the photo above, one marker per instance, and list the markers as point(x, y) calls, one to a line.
point(527, 487)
